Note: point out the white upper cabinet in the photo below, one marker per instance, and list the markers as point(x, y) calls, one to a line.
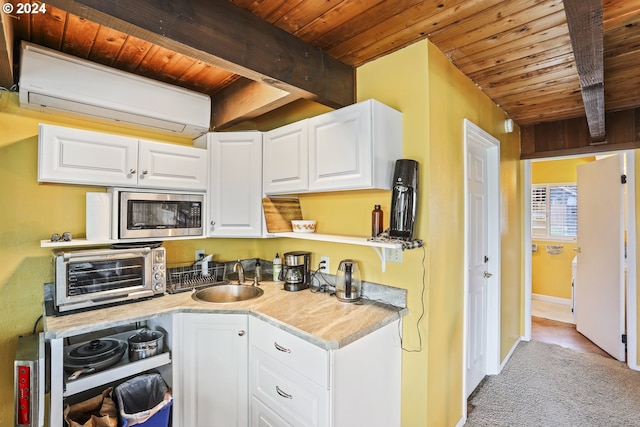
point(172, 166)
point(286, 159)
point(235, 187)
point(76, 156)
point(352, 148)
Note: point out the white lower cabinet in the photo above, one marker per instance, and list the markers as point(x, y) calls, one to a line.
point(213, 370)
point(295, 383)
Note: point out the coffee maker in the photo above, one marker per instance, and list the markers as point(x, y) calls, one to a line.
point(404, 199)
point(296, 272)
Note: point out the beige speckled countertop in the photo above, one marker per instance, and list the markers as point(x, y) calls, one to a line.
point(316, 317)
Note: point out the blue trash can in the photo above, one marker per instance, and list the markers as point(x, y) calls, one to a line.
point(144, 401)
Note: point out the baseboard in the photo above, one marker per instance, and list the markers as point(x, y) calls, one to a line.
point(513, 348)
point(555, 300)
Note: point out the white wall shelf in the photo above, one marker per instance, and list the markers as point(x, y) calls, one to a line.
point(378, 247)
point(76, 243)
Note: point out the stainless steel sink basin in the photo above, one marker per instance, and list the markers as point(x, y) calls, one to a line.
point(227, 293)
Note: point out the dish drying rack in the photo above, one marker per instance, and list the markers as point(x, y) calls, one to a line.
point(185, 277)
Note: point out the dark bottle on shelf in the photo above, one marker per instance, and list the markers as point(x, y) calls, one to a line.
point(376, 221)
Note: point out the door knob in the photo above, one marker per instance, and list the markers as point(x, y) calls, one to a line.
point(486, 274)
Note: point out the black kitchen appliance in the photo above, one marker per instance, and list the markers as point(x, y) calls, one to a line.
point(404, 199)
point(296, 272)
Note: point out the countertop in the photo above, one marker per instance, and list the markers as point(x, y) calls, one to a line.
point(316, 317)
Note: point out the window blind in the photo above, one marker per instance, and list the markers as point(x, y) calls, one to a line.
point(554, 211)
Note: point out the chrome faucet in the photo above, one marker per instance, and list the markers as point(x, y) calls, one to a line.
point(237, 268)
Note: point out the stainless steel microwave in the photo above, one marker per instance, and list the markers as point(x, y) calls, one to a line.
point(145, 215)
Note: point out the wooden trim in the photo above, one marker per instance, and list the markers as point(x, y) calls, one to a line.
point(228, 37)
point(571, 137)
point(584, 19)
point(595, 149)
point(6, 51)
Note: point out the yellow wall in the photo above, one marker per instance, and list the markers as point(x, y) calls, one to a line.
point(434, 98)
point(551, 274)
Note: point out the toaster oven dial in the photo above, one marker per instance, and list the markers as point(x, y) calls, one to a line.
point(157, 287)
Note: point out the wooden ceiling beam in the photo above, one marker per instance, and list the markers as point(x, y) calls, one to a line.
point(6, 50)
point(584, 19)
point(226, 36)
point(245, 100)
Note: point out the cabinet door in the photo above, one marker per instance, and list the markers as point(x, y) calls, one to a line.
point(286, 159)
point(77, 156)
point(235, 195)
point(179, 167)
point(214, 370)
point(341, 149)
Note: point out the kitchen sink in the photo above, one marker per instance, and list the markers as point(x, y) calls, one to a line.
point(227, 293)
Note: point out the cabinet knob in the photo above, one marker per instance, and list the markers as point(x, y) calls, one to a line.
point(144, 172)
point(132, 171)
point(241, 333)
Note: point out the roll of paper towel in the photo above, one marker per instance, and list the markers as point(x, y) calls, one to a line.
point(98, 225)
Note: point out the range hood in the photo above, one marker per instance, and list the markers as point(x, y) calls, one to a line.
point(51, 81)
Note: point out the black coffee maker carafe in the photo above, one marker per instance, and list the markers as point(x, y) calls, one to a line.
point(404, 199)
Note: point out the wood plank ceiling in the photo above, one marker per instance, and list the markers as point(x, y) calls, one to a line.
point(519, 52)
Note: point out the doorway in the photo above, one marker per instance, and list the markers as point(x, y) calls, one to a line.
point(631, 259)
point(482, 257)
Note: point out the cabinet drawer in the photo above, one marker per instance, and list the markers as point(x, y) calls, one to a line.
point(300, 355)
point(262, 416)
point(289, 394)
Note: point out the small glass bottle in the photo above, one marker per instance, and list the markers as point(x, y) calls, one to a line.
point(376, 221)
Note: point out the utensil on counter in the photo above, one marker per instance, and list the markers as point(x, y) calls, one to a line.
point(145, 343)
point(93, 356)
point(348, 283)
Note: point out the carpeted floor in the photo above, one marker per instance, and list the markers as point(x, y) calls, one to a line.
point(548, 385)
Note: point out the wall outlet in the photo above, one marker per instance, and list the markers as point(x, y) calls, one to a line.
point(324, 265)
point(393, 255)
point(200, 254)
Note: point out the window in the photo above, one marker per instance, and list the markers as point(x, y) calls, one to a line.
point(554, 211)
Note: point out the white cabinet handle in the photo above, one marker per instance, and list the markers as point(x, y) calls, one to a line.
point(281, 348)
point(283, 394)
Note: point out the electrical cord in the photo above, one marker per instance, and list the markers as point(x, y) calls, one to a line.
point(322, 287)
point(424, 287)
point(35, 325)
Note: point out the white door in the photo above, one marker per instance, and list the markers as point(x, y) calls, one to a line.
point(478, 256)
point(599, 287)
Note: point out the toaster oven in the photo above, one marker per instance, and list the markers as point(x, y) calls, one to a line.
point(95, 277)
